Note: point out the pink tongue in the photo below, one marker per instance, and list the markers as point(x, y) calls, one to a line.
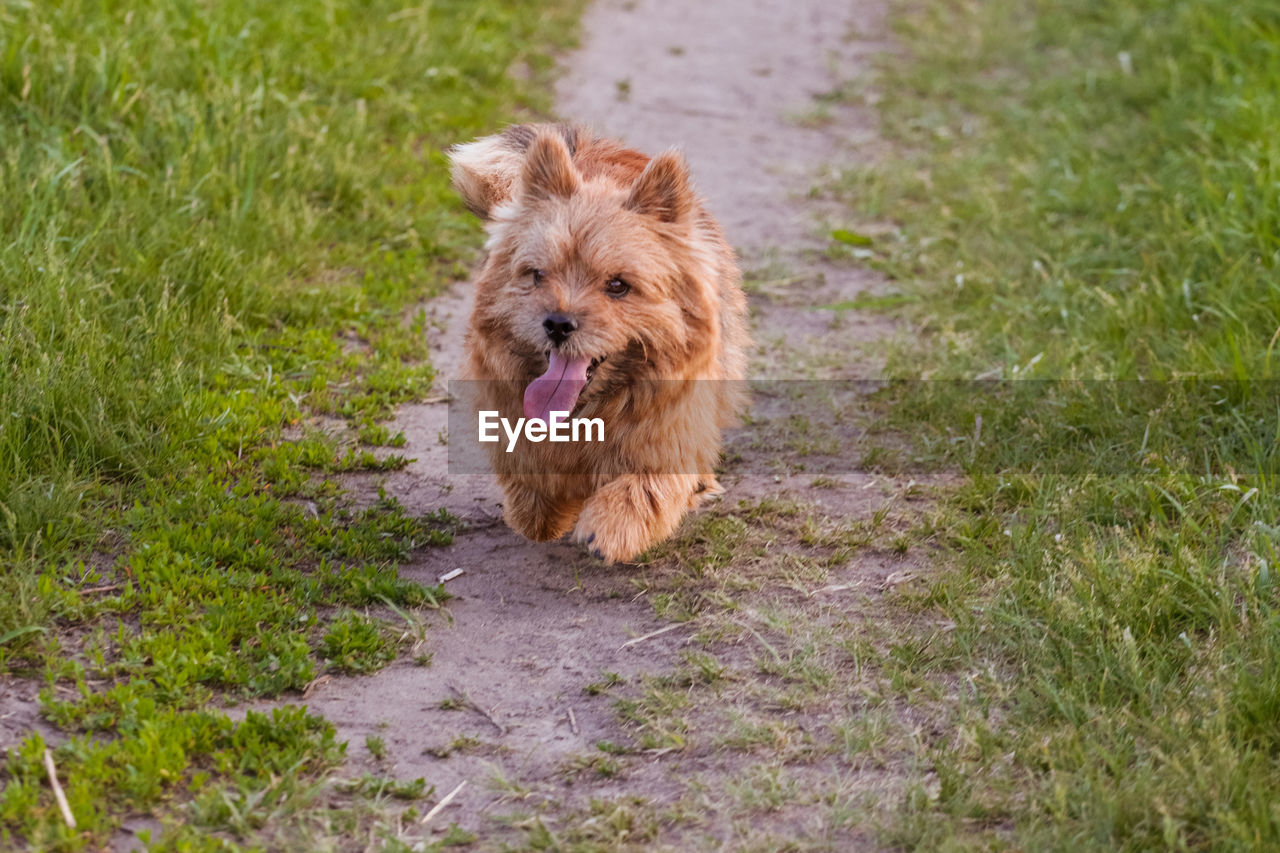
point(557, 389)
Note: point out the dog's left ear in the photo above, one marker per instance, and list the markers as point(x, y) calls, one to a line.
point(662, 190)
point(549, 169)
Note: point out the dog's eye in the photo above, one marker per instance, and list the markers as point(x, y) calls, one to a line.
point(536, 276)
point(617, 288)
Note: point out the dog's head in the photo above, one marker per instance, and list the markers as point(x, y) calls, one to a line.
point(594, 271)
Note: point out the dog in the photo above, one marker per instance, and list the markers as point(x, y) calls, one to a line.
point(608, 291)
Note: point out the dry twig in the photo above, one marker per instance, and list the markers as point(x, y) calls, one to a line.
point(651, 635)
point(468, 702)
point(439, 807)
point(58, 794)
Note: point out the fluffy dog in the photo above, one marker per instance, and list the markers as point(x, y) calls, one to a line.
point(608, 291)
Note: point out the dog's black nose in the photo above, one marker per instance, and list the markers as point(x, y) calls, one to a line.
point(559, 327)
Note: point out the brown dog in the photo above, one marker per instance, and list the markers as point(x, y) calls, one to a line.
point(609, 292)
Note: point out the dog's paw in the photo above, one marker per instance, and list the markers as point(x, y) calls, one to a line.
point(706, 491)
point(631, 513)
point(535, 516)
point(588, 541)
point(606, 539)
point(612, 530)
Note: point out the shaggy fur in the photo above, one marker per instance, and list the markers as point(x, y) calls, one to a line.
point(598, 253)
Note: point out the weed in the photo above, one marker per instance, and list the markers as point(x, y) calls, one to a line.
point(764, 788)
point(600, 765)
point(376, 745)
point(356, 643)
point(611, 748)
point(607, 680)
point(379, 786)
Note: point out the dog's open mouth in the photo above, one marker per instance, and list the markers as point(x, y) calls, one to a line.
point(559, 388)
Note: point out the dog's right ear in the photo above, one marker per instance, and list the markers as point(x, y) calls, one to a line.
point(485, 172)
point(549, 169)
point(489, 172)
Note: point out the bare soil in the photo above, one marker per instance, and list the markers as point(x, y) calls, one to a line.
point(516, 700)
point(20, 714)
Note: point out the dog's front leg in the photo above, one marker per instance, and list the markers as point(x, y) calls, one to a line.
point(630, 513)
point(537, 514)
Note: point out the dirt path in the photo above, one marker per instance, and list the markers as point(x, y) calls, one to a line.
point(720, 730)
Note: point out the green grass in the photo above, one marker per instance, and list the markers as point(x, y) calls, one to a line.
point(1087, 193)
point(220, 221)
point(1118, 216)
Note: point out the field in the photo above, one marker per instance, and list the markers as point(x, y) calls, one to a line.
point(1090, 214)
point(225, 222)
point(221, 220)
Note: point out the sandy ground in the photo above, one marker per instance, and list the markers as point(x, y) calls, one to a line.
point(502, 704)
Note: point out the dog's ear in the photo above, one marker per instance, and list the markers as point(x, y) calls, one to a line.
point(662, 190)
point(486, 171)
point(549, 169)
